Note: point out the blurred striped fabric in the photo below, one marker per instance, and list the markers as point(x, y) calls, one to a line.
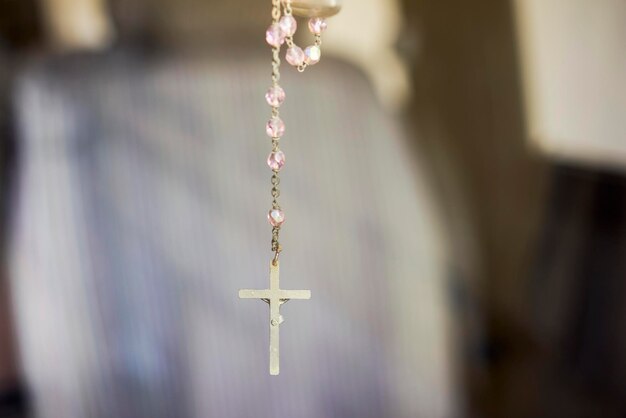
point(140, 211)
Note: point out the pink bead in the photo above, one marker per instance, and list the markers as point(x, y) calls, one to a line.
point(312, 54)
point(275, 36)
point(295, 56)
point(276, 217)
point(317, 25)
point(288, 25)
point(275, 128)
point(276, 160)
point(275, 96)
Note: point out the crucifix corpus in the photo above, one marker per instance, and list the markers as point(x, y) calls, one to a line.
point(275, 297)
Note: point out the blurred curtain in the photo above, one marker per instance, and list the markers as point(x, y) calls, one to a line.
point(140, 214)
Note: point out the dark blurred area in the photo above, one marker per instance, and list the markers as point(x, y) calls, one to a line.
point(535, 272)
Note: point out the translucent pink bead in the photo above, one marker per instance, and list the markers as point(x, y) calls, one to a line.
point(276, 217)
point(275, 128)
point(274, 35)
point(276, 160)
point(275, 96)
point(313, 54)
point(317, 25)
point(288, 25)
point(295, 56)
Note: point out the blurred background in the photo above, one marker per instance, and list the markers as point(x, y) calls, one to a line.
point(455, 193)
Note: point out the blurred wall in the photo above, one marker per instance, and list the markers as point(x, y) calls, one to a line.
point(468, 107)
point(574, 61)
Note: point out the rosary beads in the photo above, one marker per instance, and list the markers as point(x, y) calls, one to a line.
point(281, 32)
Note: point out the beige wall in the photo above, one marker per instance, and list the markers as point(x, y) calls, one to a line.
point(574, 60)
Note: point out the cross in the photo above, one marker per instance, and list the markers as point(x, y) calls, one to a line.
point(275, 297)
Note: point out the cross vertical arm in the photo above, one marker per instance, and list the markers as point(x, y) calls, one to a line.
point(275, 297)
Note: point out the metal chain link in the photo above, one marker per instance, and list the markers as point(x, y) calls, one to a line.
point(288, 12)
point(275, 180)
point(276, 10)
point(277, 13)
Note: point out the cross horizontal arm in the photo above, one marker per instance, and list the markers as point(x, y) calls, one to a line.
point(254, 294)
point(295, 294)
point(273, 294)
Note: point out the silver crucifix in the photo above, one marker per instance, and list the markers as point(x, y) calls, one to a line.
point(275, 297)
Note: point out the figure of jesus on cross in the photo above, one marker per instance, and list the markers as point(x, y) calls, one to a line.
point(275, 297)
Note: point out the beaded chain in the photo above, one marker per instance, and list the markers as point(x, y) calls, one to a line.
point(280, 32)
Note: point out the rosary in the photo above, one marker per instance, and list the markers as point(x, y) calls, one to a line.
point(281, 31)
